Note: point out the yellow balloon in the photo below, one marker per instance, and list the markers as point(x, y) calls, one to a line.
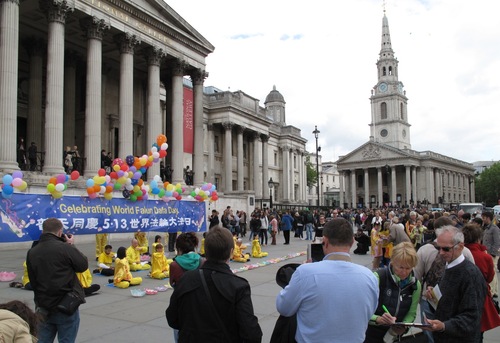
point(57, 194)
point(108, 196)
point(143, 161)
point(116, 167)
point(170, 187)
point(23, 186)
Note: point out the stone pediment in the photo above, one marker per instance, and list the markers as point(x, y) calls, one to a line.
point(372, 151)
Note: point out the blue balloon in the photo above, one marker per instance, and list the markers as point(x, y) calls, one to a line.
point(90, 183)
point(8, 189)
point(7, 179)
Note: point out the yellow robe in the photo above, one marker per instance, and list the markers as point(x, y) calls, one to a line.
point(256, 250)
point(105, 259)
point(26, 278)
point(239, 255)
point(142, 239)
point(134, 258)
point(85, 278)
point(160, 269)
point(101, 239)
point(202, 247)
point(123, 274)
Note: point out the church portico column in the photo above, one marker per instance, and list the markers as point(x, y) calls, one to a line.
point(414, 184)
point(393, 185)
point(286, 166)
point(367, 188)
point(126, 44)
point(228, 157)
point(353, 189)
point(154, 56)
point(380, 194)
point(71, 61)
point(177, 122)
point(94, 29)
point(256, 161)
point(56, 15)
point(240, 172)
point(407, 184)
point(265, 166)
point(211, 154)
point(9, 60)
point(198, 78)
point(341, 189)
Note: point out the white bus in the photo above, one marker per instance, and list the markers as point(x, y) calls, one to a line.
point(474, 208)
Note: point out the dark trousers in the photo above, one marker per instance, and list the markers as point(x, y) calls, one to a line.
point(172, 236)
point(263, 236)
point(286, 234)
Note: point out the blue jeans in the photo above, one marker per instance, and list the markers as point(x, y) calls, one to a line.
point(66, 328)
point(309, 231)
point(427, 310)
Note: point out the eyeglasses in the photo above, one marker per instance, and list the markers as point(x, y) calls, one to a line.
point(445, 249)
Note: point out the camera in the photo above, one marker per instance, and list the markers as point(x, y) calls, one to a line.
point(66, 235)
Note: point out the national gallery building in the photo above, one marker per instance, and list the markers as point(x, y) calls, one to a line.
point(114, 74)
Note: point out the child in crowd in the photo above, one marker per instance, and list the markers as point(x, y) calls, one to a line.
point(85, 279)
point(256, 249)
point(238, 253)
point(160, 264)
point(105, 262)
point(123, 277)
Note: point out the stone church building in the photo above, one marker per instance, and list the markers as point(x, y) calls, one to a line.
point(385, 170)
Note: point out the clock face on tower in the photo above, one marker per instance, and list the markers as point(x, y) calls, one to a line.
point(384, 133)
point(382, 87)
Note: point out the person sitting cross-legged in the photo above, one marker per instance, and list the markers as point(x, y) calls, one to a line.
point(123, 277)
point(238, 252)
point(134, 256)
point(105, 262)
point(256, 249)
point(160, 268)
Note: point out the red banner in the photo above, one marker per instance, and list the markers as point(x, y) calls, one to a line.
point(188, 120)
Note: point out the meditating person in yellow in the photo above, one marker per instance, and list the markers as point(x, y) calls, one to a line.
point(256, 250)
point(123, 277)
point(160, 268)
point(142, 240)
point(134, 256)
point(105, 262)
point(238, 252)
point(85, 279)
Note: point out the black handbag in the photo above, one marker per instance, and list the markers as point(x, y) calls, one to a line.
point(70, 303)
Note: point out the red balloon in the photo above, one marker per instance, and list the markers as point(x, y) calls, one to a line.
point(113, 175)
point(124, 167)
point(101, 172)
point(163, 153)
point(75, 175)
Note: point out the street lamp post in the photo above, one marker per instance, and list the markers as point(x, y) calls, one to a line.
point(270, 183)
point(318, 149)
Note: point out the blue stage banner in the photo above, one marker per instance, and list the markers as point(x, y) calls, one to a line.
point(23, 214)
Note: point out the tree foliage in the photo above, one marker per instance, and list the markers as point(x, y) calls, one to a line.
point(312, 175)
point(488, 185)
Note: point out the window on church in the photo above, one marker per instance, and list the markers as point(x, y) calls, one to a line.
point(383, 110)
point(401, 111)
point(390, 70)
point(384, 73)
point(294, 162)
point(216, 143)
point(275, 159)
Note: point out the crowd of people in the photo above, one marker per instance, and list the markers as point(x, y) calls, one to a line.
point(442, 263)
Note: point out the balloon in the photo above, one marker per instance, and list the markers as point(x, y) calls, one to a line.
point(7, 179)
point(154, 149)
point(109, 189)
point(90, 183)
point(51, 187)
point(57, 195)
point(23, 186)
point(126, 194)
point(60, 187)
point(17, 182)
point(53, 181)
point(117, 161)
point(118, 186)
point(17, 174)
point(61, 178)
point(130, 160)
point(114, 175)
point(108, 196)
point(164, 146)
point(124, 167)
point(161, 194)
point(93, 195)
point(101, 172)
point(6, 196)
point(161, 139)
point(7, 189)
point(75, 175)
point(116, 167)
point(163, 153)
point(133, 197)
point(90, 190)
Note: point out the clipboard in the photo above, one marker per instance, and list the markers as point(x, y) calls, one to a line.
point(415, 325)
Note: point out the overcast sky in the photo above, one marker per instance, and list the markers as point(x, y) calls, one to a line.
point(322, 54)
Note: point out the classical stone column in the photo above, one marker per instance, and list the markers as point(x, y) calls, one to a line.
point(430, 183)
point(197, 78)
point(341, 189)
point(353, 189)
point(211, 154)
point(94, 29)
point(36, 48)
point(9, 51)
point(367, 187)
point(126, 44)
point(257, 180)
point(154, 56)
point(228, 157)
point(300, 156)
point(414, 184)
point(265, 166)
point(56, 14)
point(393, 185)
point(286, 167)
point(71, 60)
point(408, 185)
point(380, 183)
point(177, 142)
point(239, 157)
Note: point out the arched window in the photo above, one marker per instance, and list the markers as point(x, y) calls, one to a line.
point(390, 70)
point(401, 110)
point(383, 71)
point(383, 110)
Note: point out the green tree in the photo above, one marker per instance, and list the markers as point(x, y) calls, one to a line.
point(312, 175)
point(488, 185)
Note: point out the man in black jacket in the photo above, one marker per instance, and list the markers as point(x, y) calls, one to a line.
point(52, 265)
point(226, 315)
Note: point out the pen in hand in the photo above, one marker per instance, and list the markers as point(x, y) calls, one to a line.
point(386, 310)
